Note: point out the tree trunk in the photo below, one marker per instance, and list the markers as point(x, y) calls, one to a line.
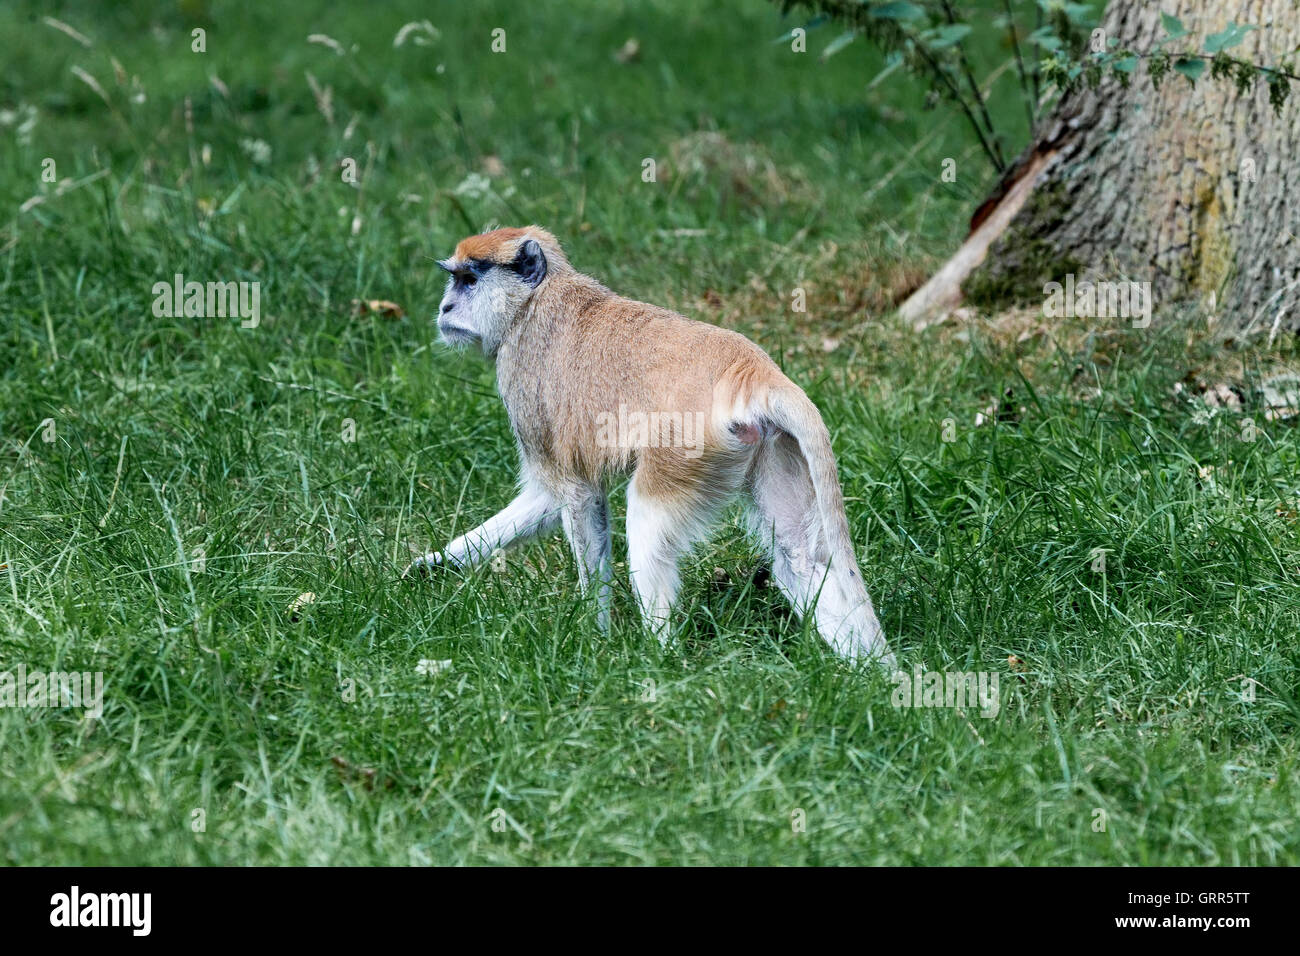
point(1192, 188)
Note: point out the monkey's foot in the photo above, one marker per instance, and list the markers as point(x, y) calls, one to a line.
point(424, 567)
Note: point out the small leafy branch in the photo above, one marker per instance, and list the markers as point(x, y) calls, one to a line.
point(1055, 46)
point(1172, 54)
point(933, 39)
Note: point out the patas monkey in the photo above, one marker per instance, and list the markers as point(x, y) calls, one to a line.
point(595, 384)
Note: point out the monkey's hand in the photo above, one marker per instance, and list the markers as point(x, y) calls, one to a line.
point(425, 567)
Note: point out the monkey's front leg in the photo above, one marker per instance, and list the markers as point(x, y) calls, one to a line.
point(532, 513)
point(586, 525)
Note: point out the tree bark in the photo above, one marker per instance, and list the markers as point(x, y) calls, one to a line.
point(1190, 187)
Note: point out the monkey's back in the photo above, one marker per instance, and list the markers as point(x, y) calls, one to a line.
point(579, 390)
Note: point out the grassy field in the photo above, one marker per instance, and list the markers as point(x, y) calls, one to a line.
point(170, 486)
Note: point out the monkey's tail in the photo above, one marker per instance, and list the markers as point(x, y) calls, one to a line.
point(792, 411)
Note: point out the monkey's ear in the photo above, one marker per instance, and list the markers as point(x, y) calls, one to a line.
point(445, 265)
point(530, 262)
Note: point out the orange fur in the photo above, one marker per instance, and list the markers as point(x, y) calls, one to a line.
point(499, 245)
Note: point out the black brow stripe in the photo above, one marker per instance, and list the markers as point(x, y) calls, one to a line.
point(481, 267)
point(476, 267)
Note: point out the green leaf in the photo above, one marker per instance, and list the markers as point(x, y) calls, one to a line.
point(892, 62)
point(1227, 38)
point(1126, 65)
point(898, 11)
point(1045, 38)
point(839, 43)
point(947, 35)
point(1192, 69)
point(1173, 26)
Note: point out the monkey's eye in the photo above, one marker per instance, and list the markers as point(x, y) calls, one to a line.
point(468, 278)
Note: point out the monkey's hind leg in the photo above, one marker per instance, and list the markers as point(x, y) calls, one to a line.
point(783, 516)
point(660, 529)
point(532, 513)
point(586, 524)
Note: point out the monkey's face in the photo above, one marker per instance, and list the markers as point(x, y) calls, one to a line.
point(486, 293)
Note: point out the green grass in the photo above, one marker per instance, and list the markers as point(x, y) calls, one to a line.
point(317, 741)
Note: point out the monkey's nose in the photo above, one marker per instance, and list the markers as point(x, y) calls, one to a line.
point(446, 307)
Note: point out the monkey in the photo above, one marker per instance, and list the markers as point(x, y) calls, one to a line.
point(595, 386)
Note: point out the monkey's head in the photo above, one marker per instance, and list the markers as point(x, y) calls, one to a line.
point(491, 277)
